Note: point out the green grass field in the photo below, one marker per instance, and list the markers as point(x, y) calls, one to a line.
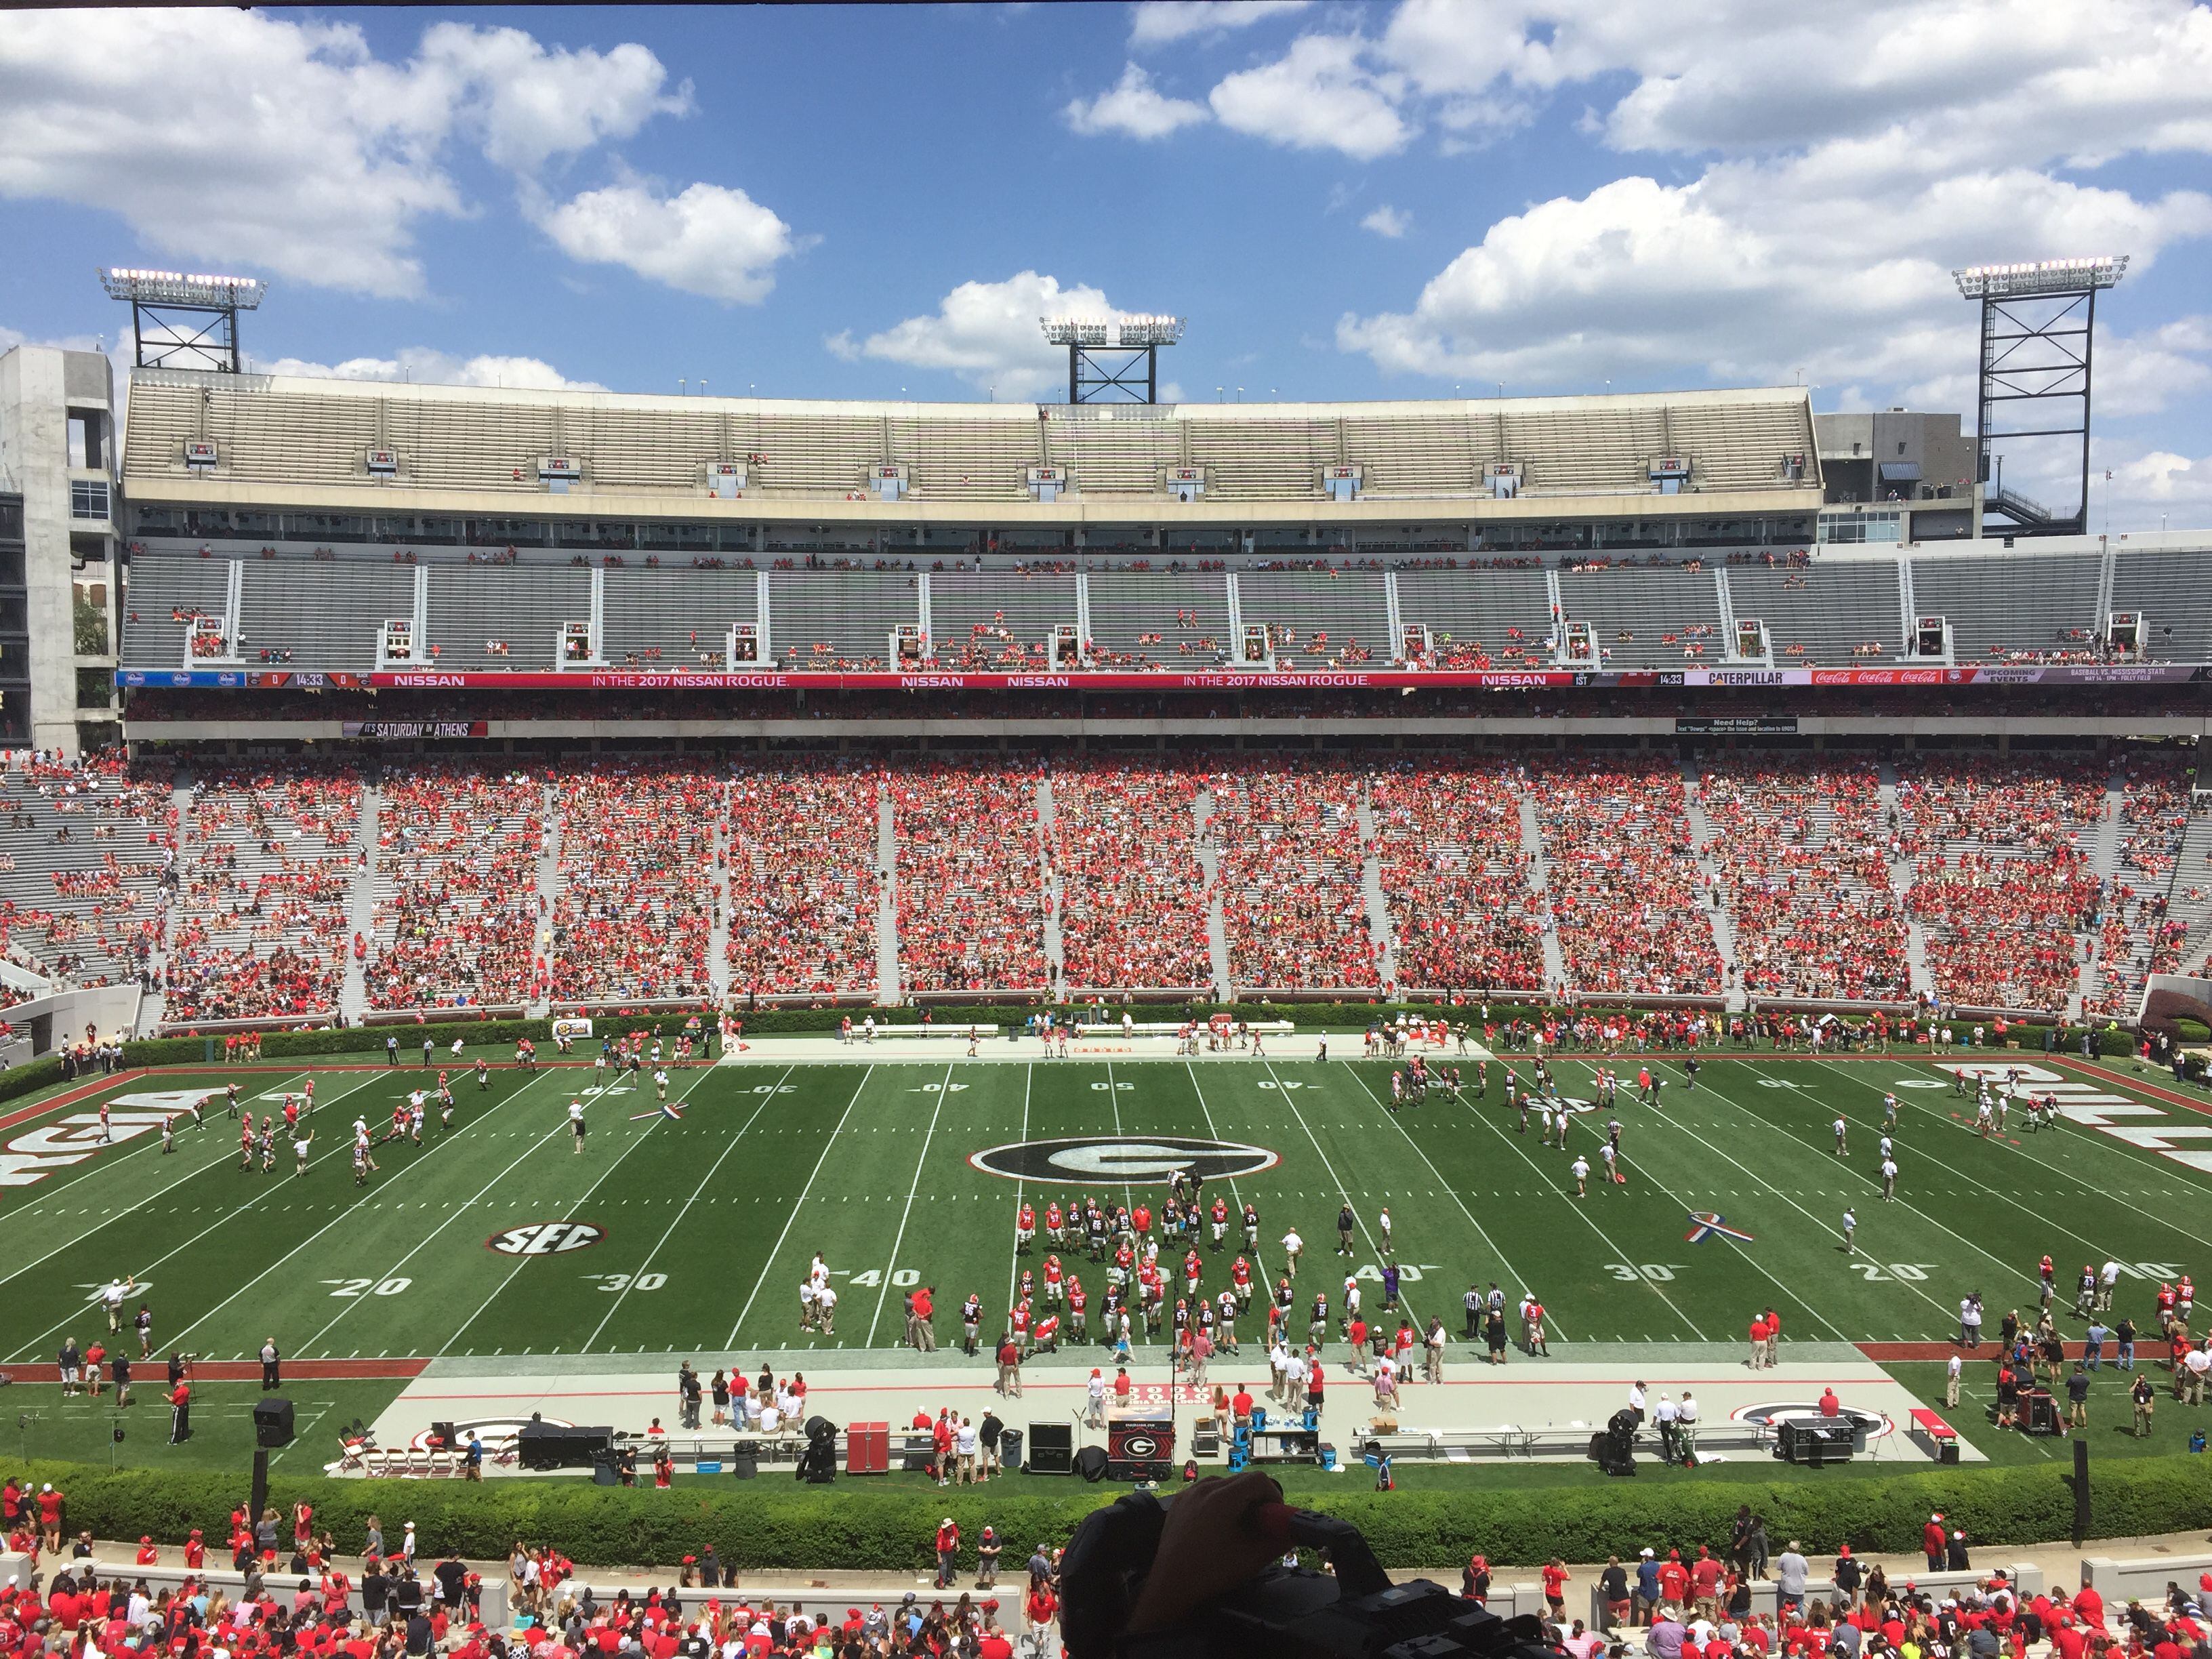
point(709, 1222)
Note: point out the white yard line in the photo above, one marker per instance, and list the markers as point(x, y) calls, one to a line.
point(1510, 1271)
point(622, 1295)
point(1787, 1289)
point(1832, 1227)
point(1580, 1211)
point(29, 1212)
point(1128, 1201)
point(1014, 1261)
point(928, 1135)
point(635, 1141)
point(1258, 1258)
point(223, 1221)
point(797, 1203)
point(346, 1146)
point(1943, 1118)
point(1357, 1218)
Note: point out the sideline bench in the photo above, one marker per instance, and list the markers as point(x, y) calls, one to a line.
point(1934, 1435)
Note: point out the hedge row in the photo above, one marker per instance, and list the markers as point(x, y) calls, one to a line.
point(2112, 1040)
point(22, 1079)
point(772, 1523)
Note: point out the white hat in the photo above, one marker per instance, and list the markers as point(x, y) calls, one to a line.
point(948, 1520)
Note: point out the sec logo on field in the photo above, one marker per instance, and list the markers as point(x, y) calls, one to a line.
point(1118, 1160)
point(546, 1239)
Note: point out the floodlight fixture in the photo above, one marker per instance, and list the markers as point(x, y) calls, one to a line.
point(1113, 359)
point(2039, 335)
point(184, 320)
point(174, 288)
point(2040, 277)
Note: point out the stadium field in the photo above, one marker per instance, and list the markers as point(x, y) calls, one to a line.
point(698, 1227)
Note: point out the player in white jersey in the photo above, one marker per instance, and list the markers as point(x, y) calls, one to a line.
point(1885, 1148)
point(1839, 1126)
point(415, 1110)
point(1889, 1111)
point(576, 1124)
point(1888, 1177)
point(1580, 1169)
point(1982, 1116)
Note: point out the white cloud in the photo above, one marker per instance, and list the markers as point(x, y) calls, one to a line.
point(986, 333)
point(227, 137)
point(427, 366)
point(1319, 96)
point(530, 104)
point(1133, 106)
point(1839, 186)
point(707, 239)
point(1160, 23)
point(1389, 221)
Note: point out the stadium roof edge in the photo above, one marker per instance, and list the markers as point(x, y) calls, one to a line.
point(577, 397)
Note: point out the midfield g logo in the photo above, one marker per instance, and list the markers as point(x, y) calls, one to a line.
point(546, 1239)
point(1121, 1160)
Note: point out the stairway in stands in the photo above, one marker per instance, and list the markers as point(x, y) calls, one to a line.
point(887, 962)
point(1705, 843)
point(361, 910)
point(2104, 863)
point(717, 936)
point(151, 1008)
point(1371, 885)
point(549, 890)
point(1540, 876)
point(1217, 923)
point(1922, 979)
point(1055, 945)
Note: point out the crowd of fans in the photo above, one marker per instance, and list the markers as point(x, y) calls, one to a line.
point(1132, 895)
point(1288, 873)
point(1448, 843)
point(457, 911)
point(1623, 883)
point(1803, 850)
point(2001, 876)
point(804, 884)
point(1991, 858)
point(636, 901)
point(971, 891)
point(269, 860)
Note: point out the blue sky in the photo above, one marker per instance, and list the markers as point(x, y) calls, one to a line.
point(1347, 201)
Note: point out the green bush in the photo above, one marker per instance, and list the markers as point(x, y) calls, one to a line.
point(772, 1524)
point(23, 1080)
point(2191, 1031)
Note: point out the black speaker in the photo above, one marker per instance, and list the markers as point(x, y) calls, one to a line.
point(745, 1460)
point(1052, 1449)
point(272, 1422)
point(916, 1452)
point(1091, 1463)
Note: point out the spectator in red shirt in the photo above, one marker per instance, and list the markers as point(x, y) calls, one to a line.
point(948, 1551)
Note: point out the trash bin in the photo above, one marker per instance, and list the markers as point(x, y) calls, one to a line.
point(1010, 1448)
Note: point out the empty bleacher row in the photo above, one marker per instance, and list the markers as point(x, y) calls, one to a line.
point(284, 430)
point(1840, 610)
point(2042, 882)
point(83, 859)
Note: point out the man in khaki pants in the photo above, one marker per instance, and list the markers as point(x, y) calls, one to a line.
point(1951, 1383)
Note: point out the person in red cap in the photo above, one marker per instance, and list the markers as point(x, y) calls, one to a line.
point(148, 1555)
point(1830, 1406)
point(1934, 1542)
point(195, 1551)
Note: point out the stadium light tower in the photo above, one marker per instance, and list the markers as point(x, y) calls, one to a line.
point(1113, 360)
point(2038, 327)
point(178, 317)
